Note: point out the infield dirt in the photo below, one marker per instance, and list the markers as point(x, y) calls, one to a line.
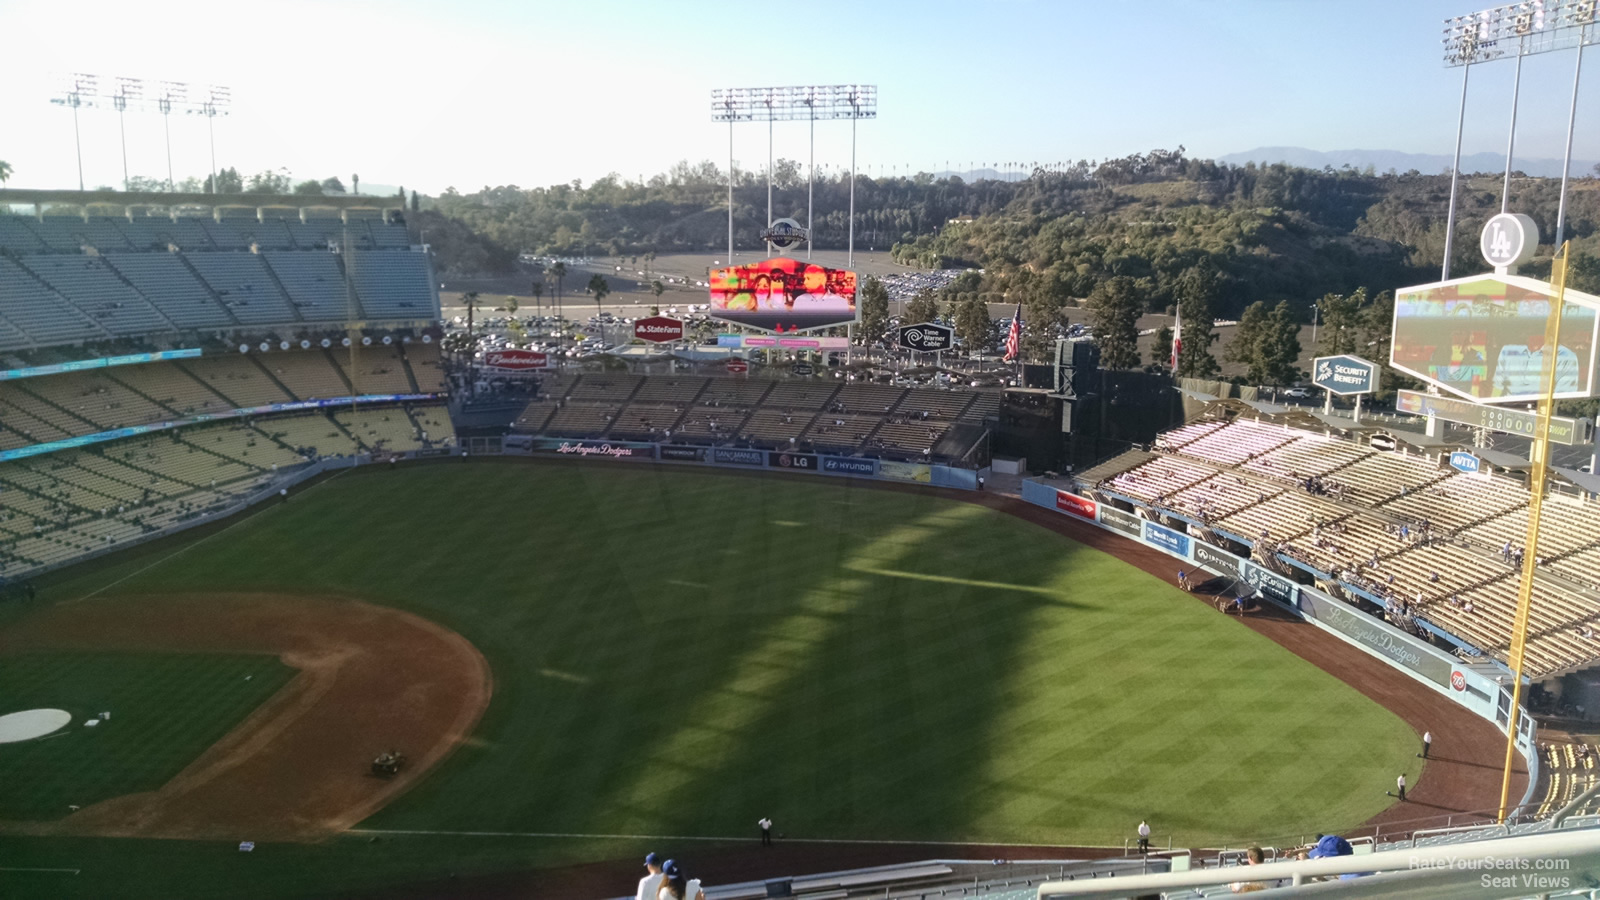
point(370, 679)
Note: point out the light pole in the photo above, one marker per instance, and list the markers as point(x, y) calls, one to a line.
point(783, 104)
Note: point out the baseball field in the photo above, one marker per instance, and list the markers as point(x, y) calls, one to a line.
point(585, 661)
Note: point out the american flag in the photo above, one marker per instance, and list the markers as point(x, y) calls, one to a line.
point(1014, 338)
point(1177, 340)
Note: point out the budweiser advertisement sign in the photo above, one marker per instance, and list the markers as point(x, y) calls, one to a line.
point(658, 329)
point(516, 360)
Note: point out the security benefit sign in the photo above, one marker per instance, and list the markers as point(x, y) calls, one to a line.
point(1269, 583)
point(1344, 375)
point(926, 338)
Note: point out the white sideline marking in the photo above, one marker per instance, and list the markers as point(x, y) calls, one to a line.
point(265, 505)
point(26, 869)
point(680, 837)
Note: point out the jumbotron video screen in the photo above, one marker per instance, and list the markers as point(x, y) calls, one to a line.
point(1483, 339)
point(783, 295)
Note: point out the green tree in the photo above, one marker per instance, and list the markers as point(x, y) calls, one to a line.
point(657, 288)
point(416, 205)
point(1583, 272)
point(310, 188)
point(598, 287)
point(922, 308)
point(1161, 350)
point(1199, 289)
point(509, 305)
point(1114, 307)
point(228, 182)
point(873, 303)
point(332, 185)
point(973, 324)
point(470, 301)
point(1248, 335)
point(1343, 323)
point(559, 273)
point(268, 182)
point(538, 296)
point(5, 171)
point(1280, 348)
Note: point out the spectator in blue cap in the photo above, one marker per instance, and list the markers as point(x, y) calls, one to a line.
point(1330, 845)
point(650, 884)
point(676, 886)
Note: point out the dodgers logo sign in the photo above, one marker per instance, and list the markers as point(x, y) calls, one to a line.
point(1344, 375)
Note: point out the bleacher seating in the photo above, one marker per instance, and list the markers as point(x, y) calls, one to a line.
point(393, 285)
point(378, 370)
point(59, 506)
point(315, 284)
point(38, 313)
point(89, 284)
point(1392, 527)
point(244, 285)
point(308, 374)
point(172, 287)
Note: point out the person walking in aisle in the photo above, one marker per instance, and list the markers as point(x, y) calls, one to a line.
point(1144, 837)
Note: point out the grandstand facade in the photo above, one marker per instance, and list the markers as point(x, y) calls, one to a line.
point(337, 311)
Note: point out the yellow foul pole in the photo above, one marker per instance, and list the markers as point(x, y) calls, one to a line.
point(1536, 489)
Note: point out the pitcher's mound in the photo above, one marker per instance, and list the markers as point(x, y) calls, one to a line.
point(32, 723)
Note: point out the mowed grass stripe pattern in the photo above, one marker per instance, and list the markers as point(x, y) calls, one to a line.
point(166, 708)
point(681, 652)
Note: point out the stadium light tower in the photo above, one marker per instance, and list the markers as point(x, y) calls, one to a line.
point(217, 101)
point(128, 90)
point(1518, 29)
point(785, 104)
point(79, 91)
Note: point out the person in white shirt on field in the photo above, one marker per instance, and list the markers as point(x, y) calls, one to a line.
point(650, 884)
point(1144, 837)
point(766, 831)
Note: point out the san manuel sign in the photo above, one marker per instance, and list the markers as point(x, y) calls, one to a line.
point(1344, 375)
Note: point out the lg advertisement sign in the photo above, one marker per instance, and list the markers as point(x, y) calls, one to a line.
point(516, 360)
point(658, 329)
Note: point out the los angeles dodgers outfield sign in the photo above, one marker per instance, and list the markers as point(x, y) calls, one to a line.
point(1344, 375)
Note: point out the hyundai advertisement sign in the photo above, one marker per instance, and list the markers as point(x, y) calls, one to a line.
point(1344, 375)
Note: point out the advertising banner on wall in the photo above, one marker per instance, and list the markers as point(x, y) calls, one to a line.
point(1082, 507)
point(1270, 583)
point(847, 465)
point(1120, 520)
point(1220, 561)
point(1167, 539)
point(517, 360)
point(1373, 633)
point(732, 457)
point(920, 473)
point(600, 449)
point(781, 460)
point(682, 454)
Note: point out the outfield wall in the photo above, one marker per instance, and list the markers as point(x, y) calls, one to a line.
point(1466, 685)
point(744, 458)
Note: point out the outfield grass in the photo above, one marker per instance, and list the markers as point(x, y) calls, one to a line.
point(683, 652)
point(165, 709)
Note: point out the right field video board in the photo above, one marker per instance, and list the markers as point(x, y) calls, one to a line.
point(1482, 338)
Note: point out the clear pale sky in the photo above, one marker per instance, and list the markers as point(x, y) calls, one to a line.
point(471, 93)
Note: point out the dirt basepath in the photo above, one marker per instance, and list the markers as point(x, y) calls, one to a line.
point(371, 678)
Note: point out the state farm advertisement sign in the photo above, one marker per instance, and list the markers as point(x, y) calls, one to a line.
point(1072, 503)
point(658, 329)
point(516, 360)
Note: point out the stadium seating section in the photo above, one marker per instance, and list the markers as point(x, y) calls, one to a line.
point(67, 279)
point(1388, 527)
point(59, 506)
point(874, 420)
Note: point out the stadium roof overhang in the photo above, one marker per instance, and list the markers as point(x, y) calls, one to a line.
point(38, 198)
point(1583, 480)
point(1501, 459)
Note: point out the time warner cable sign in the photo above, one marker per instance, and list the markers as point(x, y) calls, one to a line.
point(1344, 375)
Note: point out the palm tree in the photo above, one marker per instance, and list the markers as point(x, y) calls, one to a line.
point(470, 301)
point(538, 293)
point(656, 287)
point(5, 171)
point(598, 287)
point(558, 271)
